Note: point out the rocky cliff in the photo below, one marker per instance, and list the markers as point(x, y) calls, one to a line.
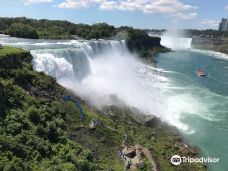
point(145, 46)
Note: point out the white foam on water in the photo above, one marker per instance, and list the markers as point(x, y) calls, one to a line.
point(43, 44)
point(212, 53)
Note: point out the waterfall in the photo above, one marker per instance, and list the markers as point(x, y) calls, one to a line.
point(176, 43)
point(74, 61)
point(174, 39)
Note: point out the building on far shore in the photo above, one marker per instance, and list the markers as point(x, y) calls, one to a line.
point(223, 25)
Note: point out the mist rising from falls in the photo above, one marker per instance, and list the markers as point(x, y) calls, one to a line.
point(101, 72)
point(176, 40)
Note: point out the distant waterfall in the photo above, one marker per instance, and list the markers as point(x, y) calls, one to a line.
point(176, 43)
point(72, 62)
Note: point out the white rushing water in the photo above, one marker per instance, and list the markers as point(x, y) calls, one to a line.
point(100, 70)
point(175, 40)
point(176, 43)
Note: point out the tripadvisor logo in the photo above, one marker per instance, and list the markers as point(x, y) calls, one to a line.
point(176, 160)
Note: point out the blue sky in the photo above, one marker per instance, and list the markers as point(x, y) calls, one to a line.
point(200, 14)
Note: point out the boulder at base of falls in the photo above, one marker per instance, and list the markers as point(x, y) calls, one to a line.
point(151, 120)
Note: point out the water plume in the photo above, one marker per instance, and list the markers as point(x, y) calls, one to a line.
point(176, 40)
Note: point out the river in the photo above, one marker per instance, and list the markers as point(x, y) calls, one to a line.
point(206, 97)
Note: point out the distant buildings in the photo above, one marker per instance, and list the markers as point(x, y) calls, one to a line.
point(223, 25)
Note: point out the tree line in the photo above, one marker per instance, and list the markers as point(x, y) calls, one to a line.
point(53, 29)
point(207, 32)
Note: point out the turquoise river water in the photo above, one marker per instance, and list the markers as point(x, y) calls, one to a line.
point(207, 98)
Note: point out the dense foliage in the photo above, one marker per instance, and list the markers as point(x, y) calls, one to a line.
point(208, 32)
point(56, 29)
point(53, 29)
point(33, 129)
point(137, 34)
point(39, 131)
point(22, 30)
point(96, 31)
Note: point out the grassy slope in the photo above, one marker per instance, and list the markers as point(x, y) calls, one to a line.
point(5, 50)
point(41, 132)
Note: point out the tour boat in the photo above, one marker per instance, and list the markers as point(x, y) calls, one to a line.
point(201, 73)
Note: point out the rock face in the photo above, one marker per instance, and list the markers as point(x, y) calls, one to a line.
point(151, 120)
point(145, 42)
point(146, 46)
point(14, 60)
point(130, 152)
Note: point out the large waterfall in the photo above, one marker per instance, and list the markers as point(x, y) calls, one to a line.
point(176, 43)
point(72, 62)
point(174, 39)
point(102, 72)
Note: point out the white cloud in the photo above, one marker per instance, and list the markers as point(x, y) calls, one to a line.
point(184, 16)
point(226, 7)
point(209, 23)
point(28, 2)
point(78, 3)
point(171, 7)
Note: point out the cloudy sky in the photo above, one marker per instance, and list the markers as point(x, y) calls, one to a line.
point(137, 13)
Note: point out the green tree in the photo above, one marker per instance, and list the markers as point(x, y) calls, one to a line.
point(22, 30)
point(34, 115)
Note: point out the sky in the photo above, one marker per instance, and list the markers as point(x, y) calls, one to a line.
point(150, 14)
